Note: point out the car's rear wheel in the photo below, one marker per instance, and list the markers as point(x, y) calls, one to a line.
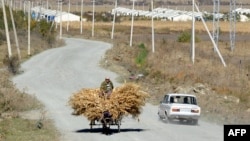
point(195, 121)
point(166, 119)
point(159, 115)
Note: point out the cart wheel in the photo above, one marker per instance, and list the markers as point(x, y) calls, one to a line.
point(118, 128)
point(91, 124)
point(105, 128)
point(118, 125)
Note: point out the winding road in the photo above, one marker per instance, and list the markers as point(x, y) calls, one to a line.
point(55, 74)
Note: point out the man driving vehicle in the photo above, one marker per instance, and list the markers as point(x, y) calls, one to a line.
point(106, 87)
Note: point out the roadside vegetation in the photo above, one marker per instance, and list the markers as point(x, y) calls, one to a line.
point(223, 92)
point(13, 102)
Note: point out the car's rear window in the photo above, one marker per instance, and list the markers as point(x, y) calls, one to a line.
point(183, 100)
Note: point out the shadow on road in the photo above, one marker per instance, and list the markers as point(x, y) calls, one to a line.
point(178, 122)
point(108, 131)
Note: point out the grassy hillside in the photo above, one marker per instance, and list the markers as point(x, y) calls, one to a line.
point(223, 92)
point(170, 67)
point(13, 103)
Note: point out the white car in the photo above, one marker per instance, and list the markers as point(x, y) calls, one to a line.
point(182, 107)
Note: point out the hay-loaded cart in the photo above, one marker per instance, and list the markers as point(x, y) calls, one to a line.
point(106, 122)
point(127, 99)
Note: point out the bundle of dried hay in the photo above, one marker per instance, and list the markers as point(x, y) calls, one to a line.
point(129, 98)
point(124, 100)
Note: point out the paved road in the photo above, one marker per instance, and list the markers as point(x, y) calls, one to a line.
point(54, 75)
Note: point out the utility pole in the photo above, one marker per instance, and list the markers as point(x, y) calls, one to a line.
point(60, 20)
point(153, 32)
point(57, 11)
point(29, 28)
point(232, 18)
point(113, 26)
point(193, 33)
point(6, 30)
point(212, 39)
point(132, 23)
point(15, 34)
point(68, 17)
point(216, 20)
point(93, 18)
point(81, 16)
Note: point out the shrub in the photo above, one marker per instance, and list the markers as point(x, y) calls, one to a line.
point(186, 37)
point(142, 56)
point(47, 31)
point(12, 63)
point(21, 21)
point(44, 28)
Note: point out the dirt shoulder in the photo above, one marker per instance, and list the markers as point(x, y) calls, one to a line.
point(216, 107)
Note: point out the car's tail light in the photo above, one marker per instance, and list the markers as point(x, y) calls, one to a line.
point(195, 110)
point(175, 110)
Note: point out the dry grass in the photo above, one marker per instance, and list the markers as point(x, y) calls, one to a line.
point(13, 101)
point(241, 27)
point(12, 126)
point(36, 46)
point(170, 68)
point(18, 129)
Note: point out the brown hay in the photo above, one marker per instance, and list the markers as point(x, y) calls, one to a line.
point(127, 99)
